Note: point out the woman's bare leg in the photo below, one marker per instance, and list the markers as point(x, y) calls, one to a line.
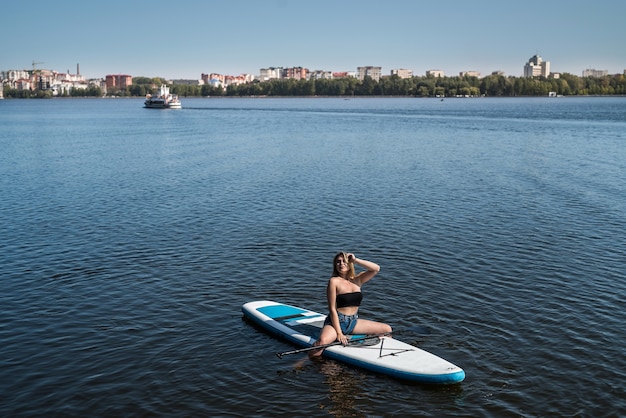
point(327, 336)
point(364, 326)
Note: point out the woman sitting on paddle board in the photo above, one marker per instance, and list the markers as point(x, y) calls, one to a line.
point(344, 297)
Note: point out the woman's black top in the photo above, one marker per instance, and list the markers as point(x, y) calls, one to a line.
point(349, 299)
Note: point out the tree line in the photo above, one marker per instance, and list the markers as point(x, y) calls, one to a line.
point(91, 91)
point(492, 86)
point(425, 86)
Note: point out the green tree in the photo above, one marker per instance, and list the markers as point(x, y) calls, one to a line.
point(366, 87)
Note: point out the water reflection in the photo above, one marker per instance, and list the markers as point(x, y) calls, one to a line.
point(343, 388)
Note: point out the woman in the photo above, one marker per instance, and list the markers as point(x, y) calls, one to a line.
point(344, 297)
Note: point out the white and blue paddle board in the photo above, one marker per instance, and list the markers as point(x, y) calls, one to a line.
point(384, 355)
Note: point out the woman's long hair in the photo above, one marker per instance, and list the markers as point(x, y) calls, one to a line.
point(336, 272)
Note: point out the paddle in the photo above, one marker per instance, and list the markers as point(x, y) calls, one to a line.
point(415, 330)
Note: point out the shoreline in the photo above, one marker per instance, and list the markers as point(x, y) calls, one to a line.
point(316, 97)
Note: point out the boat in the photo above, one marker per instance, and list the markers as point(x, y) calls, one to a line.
point(164, 100)
point(388, 356)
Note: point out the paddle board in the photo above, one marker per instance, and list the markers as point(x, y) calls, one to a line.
point(384, 355)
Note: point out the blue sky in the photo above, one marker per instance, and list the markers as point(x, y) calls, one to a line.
point(184, 38)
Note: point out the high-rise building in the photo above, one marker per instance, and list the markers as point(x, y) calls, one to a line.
point(537, 67)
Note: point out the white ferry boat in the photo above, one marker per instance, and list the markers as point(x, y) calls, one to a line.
point(164, 100)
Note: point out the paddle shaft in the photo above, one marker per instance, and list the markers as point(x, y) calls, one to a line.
point(414, 329)
point(323, 346)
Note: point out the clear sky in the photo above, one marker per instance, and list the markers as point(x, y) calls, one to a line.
point(184, 38)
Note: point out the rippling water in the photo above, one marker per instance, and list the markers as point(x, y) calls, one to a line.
point(131, 238)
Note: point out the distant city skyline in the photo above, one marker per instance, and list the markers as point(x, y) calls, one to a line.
point(283, 72)
point(182, 41)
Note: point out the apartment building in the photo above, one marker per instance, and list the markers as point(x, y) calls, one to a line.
point(589, 72)
point(374, 72)
point(320, 75)
point(297, 73)
point(402, 73)
point(120, 81)
point(434, 73)
point(470, 74)
point(271, 73)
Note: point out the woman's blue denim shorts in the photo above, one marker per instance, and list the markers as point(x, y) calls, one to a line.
point(346, 322)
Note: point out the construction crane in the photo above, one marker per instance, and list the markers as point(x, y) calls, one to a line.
point(36, 75)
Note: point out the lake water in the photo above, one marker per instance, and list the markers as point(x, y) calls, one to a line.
point(130, 238)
